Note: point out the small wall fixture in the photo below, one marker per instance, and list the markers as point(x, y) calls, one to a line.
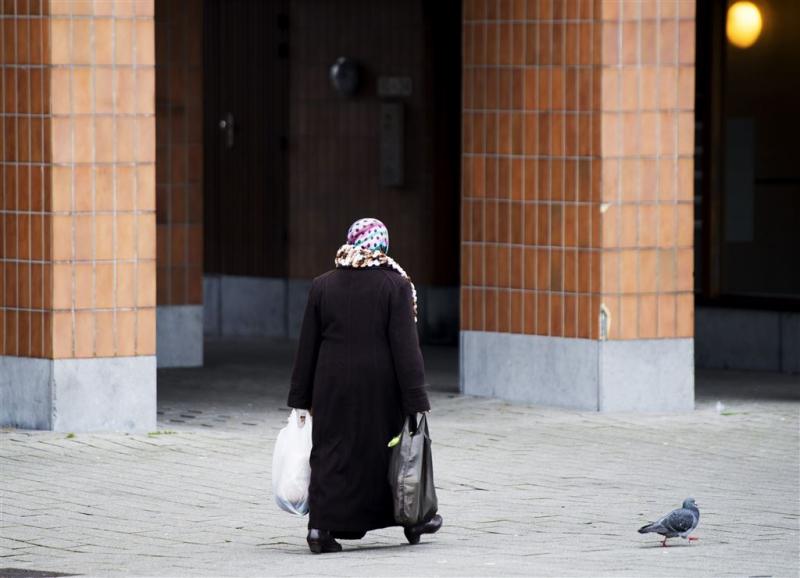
point(744, 24)
point(345, 76)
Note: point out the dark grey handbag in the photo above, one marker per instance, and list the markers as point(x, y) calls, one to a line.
point(411, 475)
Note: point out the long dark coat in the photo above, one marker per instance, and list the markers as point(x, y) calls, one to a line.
point(360, 368)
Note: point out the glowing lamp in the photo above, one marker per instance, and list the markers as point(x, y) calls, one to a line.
point(744, 24)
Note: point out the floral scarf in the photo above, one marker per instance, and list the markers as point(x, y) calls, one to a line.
point(360, 258)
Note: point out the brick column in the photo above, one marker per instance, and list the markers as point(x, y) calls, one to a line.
point(179, 182)
point(577, 202)
point(79, 338)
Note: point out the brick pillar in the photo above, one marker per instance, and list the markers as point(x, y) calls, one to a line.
point(79, 339)
point(577, 203)
point(179, 182)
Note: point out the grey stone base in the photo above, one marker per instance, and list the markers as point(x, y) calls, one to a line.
point(747, 339)
point(78, 395)
point(643, 375)
point(180, 335)
point(273, 307)
point(244, 306)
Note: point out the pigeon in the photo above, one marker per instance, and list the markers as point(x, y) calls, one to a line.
point(678, 523)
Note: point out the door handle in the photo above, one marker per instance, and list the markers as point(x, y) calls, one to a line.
point(227, 125)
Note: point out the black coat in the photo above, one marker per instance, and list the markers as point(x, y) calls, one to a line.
point(360, 368)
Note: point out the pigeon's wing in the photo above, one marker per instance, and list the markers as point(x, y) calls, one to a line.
point(678, 521)
point(657, 526)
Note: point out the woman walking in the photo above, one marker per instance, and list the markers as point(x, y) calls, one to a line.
point(359, 369)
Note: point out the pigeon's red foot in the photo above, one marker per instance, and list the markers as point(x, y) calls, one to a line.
point(664, 543)
point(693, 538)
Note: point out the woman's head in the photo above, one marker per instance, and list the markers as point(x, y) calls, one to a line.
point(369, 234)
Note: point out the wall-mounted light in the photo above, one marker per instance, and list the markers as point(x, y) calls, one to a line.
point(744, 24)
point(345, 77)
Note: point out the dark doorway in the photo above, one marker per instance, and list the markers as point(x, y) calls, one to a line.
point(246, 89)
point(747, 175)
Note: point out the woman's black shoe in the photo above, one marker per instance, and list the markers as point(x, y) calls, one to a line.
point(432, 526)
point(321, 542)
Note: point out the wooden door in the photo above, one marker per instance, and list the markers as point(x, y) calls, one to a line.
point(246, 88)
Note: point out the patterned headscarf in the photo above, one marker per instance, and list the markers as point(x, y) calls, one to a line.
point(367, 244)
point(369, 234)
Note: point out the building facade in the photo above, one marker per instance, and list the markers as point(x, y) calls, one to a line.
point(175, 169)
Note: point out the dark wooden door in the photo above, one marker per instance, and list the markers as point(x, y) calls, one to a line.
point(246, 126)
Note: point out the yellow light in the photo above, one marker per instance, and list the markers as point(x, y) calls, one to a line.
point(744, 24)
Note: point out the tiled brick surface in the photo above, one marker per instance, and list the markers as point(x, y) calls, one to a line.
point(577, 167)
point(179, 151)
point(78, 190)
point(647, 149)
point(25, 271)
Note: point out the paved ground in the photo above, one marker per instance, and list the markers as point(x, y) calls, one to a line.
point(523, 490)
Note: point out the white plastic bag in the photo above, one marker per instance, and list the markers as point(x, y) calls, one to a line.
point(291, 470)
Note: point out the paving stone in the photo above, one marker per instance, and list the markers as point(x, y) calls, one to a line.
point(524, 491)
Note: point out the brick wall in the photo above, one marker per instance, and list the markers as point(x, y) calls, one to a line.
point(78, 179)
point(577, 158)
point(25, 259)
point(647, 149)
point(179, 151)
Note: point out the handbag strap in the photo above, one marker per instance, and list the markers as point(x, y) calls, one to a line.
point(416, 424)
